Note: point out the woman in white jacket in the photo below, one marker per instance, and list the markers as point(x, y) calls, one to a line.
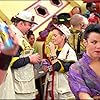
point(61, 57)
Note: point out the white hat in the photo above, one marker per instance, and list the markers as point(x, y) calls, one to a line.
point(63, 29)
point(27, 16)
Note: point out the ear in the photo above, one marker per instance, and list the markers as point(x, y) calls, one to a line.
point(64, 36)
point(85, 42)
point(20, 22)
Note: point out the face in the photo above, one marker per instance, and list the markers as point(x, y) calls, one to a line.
point(84, 26)
point(25, 27)
point(93, 45)
point(76, 11)
point(57, 39)
point(93, 7)
point(31, 39)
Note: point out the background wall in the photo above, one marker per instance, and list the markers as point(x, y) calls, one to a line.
point(12, 7)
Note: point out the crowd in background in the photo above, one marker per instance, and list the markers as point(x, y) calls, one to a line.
point(71, 57)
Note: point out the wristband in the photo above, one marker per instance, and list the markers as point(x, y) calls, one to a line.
point(53, 58)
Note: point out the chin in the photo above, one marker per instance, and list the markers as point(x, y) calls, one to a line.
point(96, 56)
point(54, 43)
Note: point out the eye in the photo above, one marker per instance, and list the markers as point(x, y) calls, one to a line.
point(94, 42)
point(55, 35)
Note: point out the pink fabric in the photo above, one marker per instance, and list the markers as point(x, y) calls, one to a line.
point(2, 75)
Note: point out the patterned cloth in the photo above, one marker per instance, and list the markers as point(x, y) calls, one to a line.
point(83, 79)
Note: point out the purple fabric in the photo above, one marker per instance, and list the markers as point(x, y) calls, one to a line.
point(45, 62)
point(43, 34)
point(83, 79)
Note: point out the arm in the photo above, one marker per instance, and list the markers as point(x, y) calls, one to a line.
point(18, 62)
point(77, 84)
point(84, 96)
point(59, 65)
point(96, 97)
point(62, 66)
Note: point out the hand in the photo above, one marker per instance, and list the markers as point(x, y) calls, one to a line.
point(14, 49)
point(85, 96)
point(51, 46)
point(96, 97)
point(35, 58)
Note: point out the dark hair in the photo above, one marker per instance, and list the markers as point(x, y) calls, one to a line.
point(78, 8)
point(89, 4)
point(91, 28)
point(29, 33)
point(16, 19)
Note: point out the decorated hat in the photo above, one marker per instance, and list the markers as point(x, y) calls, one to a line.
point(27, 16)
point(63, 29)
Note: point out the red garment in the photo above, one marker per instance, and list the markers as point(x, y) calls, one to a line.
point(93, 18)
point(91, 0)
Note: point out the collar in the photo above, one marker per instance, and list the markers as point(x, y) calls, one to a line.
point(72, 30)
point(17, 31)
point(59, 49)
point(86, 58)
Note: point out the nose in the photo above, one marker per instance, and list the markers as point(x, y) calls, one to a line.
point(98, 45)
point(52, 37)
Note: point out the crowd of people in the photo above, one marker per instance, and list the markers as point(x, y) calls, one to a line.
point(71, 62)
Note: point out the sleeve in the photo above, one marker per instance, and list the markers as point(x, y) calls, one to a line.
point(4, 61)
point(62, 66)
point(18, 62)
point(56, 66)
point(67, 65)
point(76, 81)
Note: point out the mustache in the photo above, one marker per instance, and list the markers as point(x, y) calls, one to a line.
point(29, 31)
